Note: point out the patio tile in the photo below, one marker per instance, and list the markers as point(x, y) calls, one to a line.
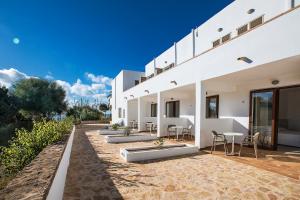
point(97, 171)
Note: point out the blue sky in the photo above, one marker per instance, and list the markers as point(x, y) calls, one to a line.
point(88, 42)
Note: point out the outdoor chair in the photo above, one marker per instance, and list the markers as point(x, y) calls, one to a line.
point(171, 131)
point(251, 140)
point(218, 139)
point(187, 131)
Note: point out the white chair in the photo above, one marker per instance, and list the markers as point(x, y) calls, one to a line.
point(187, 131)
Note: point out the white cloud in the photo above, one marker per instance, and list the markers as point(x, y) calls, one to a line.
point(99, 78)
point(9, 76)
point(49, 77)
point(97, 90)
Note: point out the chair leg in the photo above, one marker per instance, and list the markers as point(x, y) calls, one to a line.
point(240, 149)
point(225, 148)
point(211, 150)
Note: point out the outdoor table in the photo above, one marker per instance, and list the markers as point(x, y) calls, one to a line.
point(232, 134)
point(177, 128)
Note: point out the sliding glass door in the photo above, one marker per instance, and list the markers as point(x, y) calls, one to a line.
point(262, 116)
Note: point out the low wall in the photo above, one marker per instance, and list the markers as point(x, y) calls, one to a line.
point(34, 181)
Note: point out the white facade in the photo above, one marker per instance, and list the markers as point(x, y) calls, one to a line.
point(202, 70)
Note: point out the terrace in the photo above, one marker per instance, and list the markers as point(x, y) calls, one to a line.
point(97, 171)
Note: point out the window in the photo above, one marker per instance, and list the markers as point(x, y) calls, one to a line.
point(256, 22)
point(123, 113)
point(216, 43)
point(120, 112)
point(136, 82)
point(172, 109)
point(154, 110)
point(226, 38)
point(242, 29)
point(212, 106)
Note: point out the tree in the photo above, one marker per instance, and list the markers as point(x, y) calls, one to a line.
point(104, 108)
point(40, 98)
point(8, 107)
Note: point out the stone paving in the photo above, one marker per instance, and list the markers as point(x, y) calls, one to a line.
point(98, 172)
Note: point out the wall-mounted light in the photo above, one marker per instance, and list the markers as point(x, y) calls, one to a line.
point(174, 82)
point(166, 62)
point(275, 82)
point(220, 29)
point(147, 91)
point(251, 11)
point(132, 96)
point(172, 98)
point(245, 59)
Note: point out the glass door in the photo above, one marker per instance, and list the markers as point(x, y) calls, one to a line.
point(262, 117)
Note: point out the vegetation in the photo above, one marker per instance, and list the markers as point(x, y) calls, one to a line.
point(84, 113)
point(159, 142)
point(26, 145)
point(27, 101)
point(39, 98)
point(115, 127)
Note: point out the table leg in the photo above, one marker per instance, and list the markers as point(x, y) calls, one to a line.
point(232, 149)
point(177, 134)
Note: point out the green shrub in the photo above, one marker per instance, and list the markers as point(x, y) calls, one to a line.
point(27, 145)
point(115, 126)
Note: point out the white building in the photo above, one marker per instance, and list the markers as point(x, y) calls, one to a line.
point(239, 71)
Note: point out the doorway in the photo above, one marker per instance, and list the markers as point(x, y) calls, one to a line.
point(275, 113)
point(289, 117)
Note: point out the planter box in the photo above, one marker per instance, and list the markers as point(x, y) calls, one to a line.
point(111, 132)
point(151, 153)
point(130, 138)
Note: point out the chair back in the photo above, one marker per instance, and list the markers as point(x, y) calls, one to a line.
point(214, 133)
point(190, 127)
point(256, 137)
point(171, 125)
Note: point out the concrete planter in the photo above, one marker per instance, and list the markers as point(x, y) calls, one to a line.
point(154, 152)
point(130, 138)
point(111, 132)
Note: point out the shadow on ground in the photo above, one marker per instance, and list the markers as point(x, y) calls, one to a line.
point(92, 174)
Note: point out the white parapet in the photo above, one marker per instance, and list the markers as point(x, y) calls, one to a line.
point(155, 152)
point(131, 138)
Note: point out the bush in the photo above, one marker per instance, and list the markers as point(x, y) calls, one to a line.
point(115, 127)
point(27, 145)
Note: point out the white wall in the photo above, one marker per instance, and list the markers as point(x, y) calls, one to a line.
point(150, 68)
point(208, 32)
point(166, 58)
point(185, 48)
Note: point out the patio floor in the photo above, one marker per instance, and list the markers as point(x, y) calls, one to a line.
point(97, 172)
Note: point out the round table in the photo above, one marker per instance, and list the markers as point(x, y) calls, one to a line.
point(232, 134)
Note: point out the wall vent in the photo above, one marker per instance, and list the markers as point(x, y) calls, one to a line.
point(226, 38)
point(242, 29)
point(216, 43)
point(256, 22)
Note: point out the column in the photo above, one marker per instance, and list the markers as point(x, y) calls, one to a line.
point(160, 105)
point(141, 114)
point(126, 120)
point(199, 113)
